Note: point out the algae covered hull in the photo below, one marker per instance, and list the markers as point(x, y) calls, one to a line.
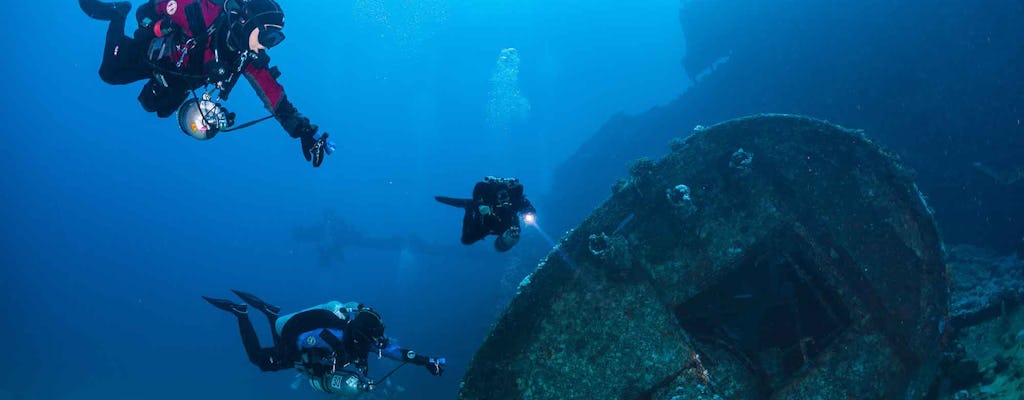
point(765, 257)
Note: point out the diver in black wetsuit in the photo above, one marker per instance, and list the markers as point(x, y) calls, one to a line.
point(494, 209)
point(330, 343)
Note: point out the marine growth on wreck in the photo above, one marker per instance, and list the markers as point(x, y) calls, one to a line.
point(768, 257)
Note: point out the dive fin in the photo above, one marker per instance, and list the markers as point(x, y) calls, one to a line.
point(257, 303)
point(103, 11)
point(451, 201)
point(227, 305)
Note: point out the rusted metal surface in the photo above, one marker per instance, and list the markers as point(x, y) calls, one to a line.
point(766, 257)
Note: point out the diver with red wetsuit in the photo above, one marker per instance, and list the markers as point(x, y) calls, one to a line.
point(185, 45)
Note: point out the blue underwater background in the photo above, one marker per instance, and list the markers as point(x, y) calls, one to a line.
point(114, 222)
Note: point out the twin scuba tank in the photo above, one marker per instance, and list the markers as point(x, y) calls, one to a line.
point(346, 381)
point(340, 383)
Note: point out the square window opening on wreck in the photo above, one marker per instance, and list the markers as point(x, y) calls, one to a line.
point(774, 312)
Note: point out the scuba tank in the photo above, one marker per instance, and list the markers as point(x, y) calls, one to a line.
point(340, 383)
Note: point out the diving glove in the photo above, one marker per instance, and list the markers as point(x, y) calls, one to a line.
point(434, 365)
point(315, 146)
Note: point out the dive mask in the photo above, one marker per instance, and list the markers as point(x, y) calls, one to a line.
point(271, 35)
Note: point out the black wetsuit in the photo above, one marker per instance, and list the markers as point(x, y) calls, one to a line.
point(285, 353)
point(506, 201)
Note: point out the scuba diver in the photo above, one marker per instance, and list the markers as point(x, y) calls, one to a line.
point(184, 45)
point(494, 210)
point(329, 343)
point(1002, 177)
point(333, 236)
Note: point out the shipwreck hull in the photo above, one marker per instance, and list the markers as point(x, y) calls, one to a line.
point(766, 257)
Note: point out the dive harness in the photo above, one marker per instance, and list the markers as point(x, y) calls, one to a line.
point(201, 116)
point(349, 379)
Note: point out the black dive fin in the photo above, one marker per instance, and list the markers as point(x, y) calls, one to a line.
point(257, 303)
point(451, 201)
point(227, 305)
point(105, 11)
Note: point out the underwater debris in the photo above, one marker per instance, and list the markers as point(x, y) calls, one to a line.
point(984, 358)
point(798, 284)
point(983, 284)
point(740, 161)
point(598, 245)
point(612, 253)
point(681, 202)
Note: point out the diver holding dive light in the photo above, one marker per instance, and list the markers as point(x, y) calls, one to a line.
point(183, 46)
point(495, 209)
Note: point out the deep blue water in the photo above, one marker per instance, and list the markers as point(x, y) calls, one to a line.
point(114, 223)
